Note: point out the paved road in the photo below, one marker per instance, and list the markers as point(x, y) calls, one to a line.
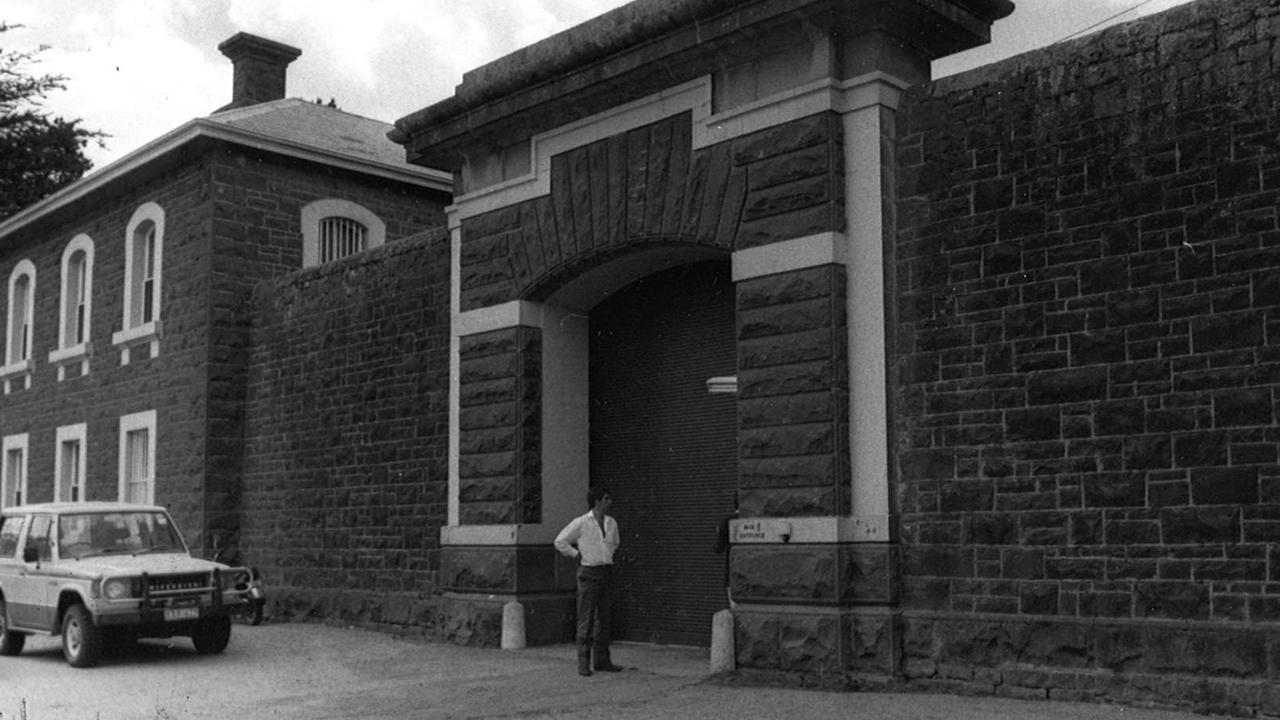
point(313, 672)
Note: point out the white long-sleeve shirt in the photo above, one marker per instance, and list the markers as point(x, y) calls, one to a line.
point(582, 538)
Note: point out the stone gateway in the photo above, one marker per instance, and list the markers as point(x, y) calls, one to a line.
point(988, 366)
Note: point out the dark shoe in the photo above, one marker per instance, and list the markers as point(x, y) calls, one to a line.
point(584, 672)
point(608, 668)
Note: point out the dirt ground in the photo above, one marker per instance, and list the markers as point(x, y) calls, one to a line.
point(314, 672)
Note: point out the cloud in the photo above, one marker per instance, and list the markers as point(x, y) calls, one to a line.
point(139, 68)
point(400, 54)
point(128, 76)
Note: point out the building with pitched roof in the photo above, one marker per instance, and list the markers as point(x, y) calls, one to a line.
point(986, 366)
point(127, 311)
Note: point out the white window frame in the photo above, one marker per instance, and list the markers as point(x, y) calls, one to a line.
point(72, 349)
point(77, 434)
point(16, 371)
point(14, 443)
point(134, 330)
point(314, 213)
point(132, 423)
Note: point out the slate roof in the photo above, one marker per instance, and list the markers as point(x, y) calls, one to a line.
point(292, 127)
point(303, 122)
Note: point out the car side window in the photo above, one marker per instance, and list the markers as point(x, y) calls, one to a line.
point(10, 529)
point(40, 537)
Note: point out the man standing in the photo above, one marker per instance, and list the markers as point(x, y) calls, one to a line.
point(592, 539)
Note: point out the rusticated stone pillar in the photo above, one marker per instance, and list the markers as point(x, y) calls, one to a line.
point(793, 394)
point(500, 428)
point(520, 413)
point(813, 563)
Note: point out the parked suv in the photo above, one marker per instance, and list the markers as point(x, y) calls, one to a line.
point(97, 572)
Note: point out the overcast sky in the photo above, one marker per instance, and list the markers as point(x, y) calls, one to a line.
point(138, 68)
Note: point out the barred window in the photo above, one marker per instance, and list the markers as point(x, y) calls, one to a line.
point(333, 229)
point(340, 237)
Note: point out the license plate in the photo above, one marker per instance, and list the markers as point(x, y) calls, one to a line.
point(175, 614)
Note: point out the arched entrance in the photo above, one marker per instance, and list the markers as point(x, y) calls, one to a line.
point(665, 446)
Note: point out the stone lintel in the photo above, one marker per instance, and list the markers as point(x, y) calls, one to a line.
point(499, 317)
point(811, 530)
point(822, 249)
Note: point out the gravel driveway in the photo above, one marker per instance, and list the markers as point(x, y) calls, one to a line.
point(314, 672)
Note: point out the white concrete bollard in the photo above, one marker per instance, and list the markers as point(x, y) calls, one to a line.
point(513, 626)
point(723, 659)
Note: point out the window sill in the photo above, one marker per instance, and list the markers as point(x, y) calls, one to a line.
point(147, 333)
point(71, 354)
point(76, 354)
point(16, 376)
point(22, 367)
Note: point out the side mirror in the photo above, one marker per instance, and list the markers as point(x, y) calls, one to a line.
point(30, 554)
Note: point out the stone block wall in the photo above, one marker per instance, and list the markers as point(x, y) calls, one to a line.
point(256, 227)
point(347, 423)
point(171, 383)
point(1089, 357)
point(232, 219)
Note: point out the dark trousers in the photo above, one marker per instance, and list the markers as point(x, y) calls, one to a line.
point(594, 609)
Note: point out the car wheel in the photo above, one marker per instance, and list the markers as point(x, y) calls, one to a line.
point(255, 612)
point(212, 635)
point(81, 639)
point(11, 641)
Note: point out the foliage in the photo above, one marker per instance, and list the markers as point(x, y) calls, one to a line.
point(39, 153)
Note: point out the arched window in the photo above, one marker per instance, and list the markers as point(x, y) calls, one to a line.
point(19, 331)
point(334, 229)
point(76, 306)
point(143, 265)
point(22, 293)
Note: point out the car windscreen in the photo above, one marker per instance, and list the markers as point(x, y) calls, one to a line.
point(86, 534)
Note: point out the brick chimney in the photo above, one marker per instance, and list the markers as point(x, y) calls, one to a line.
point(260, 66)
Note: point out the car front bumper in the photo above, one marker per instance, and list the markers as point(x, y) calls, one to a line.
point(133, 613)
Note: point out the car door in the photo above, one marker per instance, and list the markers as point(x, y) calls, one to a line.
point(28, 601)
point(10, 563)
point(14, 582)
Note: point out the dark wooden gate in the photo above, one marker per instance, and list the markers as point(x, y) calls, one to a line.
point(666, 447)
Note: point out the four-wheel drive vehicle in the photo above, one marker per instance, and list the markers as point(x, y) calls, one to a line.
point(99, 572)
